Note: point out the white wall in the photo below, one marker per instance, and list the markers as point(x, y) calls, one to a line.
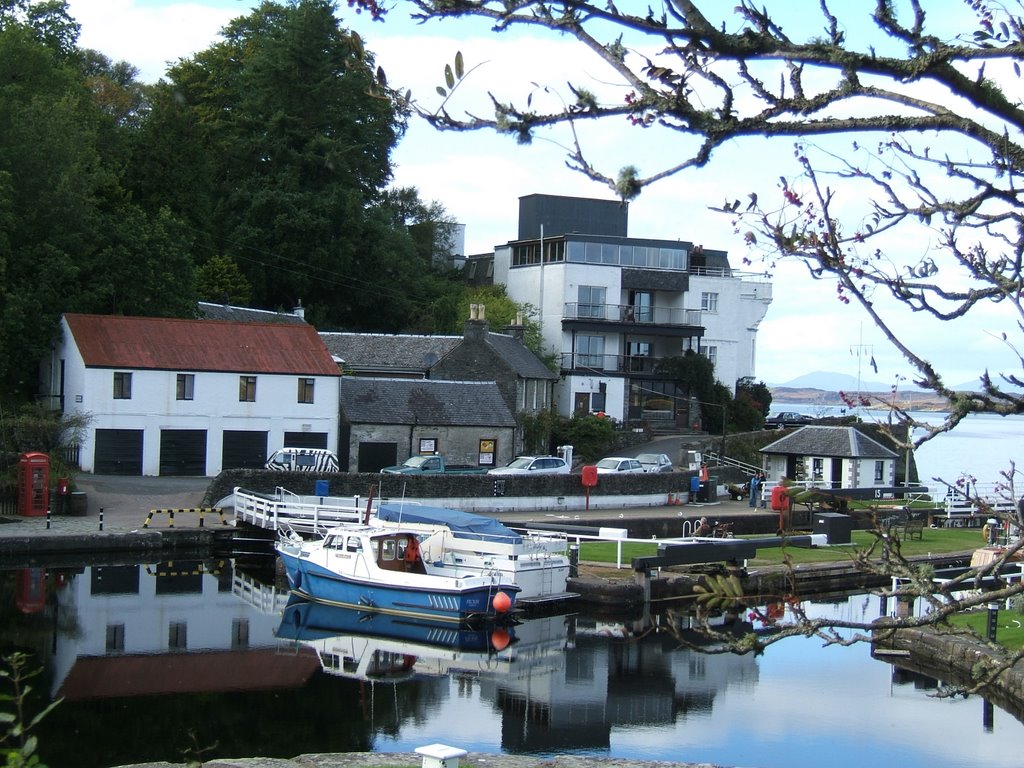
point(153, 406)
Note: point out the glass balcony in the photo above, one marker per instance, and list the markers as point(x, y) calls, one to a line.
point(582, 362)
point(626, 313)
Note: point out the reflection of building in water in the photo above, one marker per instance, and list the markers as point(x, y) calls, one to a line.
point(172, 627)
point(628, 681)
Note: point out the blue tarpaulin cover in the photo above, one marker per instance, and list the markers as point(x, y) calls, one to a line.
point(462, 524)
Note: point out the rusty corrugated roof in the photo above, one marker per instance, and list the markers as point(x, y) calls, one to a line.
point(159, 343)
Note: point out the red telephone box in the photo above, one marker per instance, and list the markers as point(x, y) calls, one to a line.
point(33, 484)
point(31, 596)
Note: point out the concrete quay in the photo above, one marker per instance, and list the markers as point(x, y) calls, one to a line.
point(120, 517)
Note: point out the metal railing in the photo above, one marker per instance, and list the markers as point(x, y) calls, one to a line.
point(574, 361)
point(627, 313)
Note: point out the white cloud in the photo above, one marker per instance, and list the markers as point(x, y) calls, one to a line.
point(479, 177)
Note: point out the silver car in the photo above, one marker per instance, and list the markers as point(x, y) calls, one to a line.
point(534, 465)
point(618, 465)
point(655, 462)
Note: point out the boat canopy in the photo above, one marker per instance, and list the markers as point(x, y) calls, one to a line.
point(462, 524)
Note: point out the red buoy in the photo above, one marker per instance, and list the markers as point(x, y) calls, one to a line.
point(501, 602)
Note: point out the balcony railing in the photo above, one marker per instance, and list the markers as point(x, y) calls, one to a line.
point(629, 364)
point(627, 313)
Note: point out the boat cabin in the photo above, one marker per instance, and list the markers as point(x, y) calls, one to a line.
point(392, 551)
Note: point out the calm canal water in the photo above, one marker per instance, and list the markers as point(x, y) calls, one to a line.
point(162, 661)
point(167, 661)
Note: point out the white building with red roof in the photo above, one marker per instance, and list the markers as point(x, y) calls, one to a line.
point(169, 396)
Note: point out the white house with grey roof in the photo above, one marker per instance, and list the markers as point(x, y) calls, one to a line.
point(385, 421)
point(831, 457)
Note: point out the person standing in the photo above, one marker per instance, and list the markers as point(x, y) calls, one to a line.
point(755, 485)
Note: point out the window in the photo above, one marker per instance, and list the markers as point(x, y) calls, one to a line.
point(122, 385)
point(115, 638)
point(591, 301)
point(177, 636)
point(709, 302)
point(879, 471)
point(247, 389)
point(239, 633)
point(186, 386)
point(306, 390)
point(590, 352)
point(642, 303)
point(817, 469)
point(711, 353)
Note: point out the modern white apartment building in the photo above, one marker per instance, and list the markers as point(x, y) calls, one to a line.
point(613, 307)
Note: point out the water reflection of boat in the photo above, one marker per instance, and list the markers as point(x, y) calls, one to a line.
point(371, 568)
point(369, 645)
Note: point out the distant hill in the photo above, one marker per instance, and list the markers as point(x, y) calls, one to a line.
point(833, 382)
point(829, 381)
point(918, 401)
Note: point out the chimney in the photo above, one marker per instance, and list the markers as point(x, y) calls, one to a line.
point(475, 328)
point(518, 330)
point(299, 311)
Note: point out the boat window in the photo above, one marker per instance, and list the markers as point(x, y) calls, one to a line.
point(387, 549)
point(331, 542)
point(402, 545)
point(354, 544)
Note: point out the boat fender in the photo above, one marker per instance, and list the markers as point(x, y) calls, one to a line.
point(501, 602)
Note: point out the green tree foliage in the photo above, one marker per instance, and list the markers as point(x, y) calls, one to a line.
point(292, 136)
point(72, 239)
point(220, 280)
point(591, 436)
point(750, 406)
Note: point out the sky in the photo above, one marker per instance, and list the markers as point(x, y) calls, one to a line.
point(479, 176)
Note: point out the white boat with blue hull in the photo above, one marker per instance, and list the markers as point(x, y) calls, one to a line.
point(538, 562)
point(380, 569)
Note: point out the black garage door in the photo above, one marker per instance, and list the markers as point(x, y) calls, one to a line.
point(183, 452)
point(244, 450)
point(305, 440)
point(118, 452)
point(374, 456)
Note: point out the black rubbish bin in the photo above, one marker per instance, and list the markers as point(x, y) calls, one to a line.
point(838, 529)
point(79, 504)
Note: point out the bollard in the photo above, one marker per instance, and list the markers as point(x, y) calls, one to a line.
point(101, 518)
point(574, 561)
point(47, 518)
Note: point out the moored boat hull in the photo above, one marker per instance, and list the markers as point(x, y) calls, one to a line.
point(439, 599)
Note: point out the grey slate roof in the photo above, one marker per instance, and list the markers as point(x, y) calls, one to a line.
point(388, 352)
point(408, 353)
point(366, 400)
point(211, 311)
point(840, 442)
point(526, 364)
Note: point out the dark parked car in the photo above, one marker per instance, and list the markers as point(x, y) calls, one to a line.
point(785, 419)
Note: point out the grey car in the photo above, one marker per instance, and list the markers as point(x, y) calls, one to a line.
point(655, 462)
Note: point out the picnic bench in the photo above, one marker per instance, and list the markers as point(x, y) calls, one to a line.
point(911, 527)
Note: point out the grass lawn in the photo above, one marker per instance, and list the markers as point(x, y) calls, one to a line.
point(1009, 626)
point(933, 540)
